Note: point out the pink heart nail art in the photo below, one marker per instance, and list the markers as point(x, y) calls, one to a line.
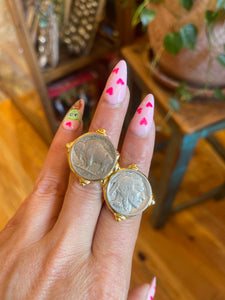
point(116, 85)
point(152, 289)
point(144, 122)
point(141, 123)
point(120, 81)
point(149, 104)
point(69, 124)
point(115, 70)
point(139, 110)
point(110, 91)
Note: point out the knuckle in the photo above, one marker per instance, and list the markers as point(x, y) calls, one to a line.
point(48, 185)
point(58, 259)
point(106, 286)
point(53, 264)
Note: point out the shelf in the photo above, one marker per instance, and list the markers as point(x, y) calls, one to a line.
point(69, 63)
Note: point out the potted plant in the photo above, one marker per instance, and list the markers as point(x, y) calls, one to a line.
point(187, 38)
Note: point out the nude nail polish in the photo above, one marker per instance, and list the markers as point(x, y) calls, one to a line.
point(73, 118)
point(116, 85)
point(152, 289)
point(143, 118)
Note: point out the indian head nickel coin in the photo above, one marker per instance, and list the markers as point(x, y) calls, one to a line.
point(128, 192)
point(93, 156)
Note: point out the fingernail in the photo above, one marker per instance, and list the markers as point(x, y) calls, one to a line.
point(143, 118)
point(77, 105)
point(73, 118)
point(152, 289)
point(116, 85)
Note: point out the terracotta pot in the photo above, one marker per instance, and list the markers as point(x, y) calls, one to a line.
point(189, 66)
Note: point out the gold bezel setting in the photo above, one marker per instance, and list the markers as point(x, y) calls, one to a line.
point(119, 216)
point(131, 194)
point(114, 155)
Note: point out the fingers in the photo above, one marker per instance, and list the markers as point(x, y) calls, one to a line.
point(143, 292)
point(43, 205)
point(56, 166)
point(141, 134)
point(140, 292)
point(86, 202)
point(118, 239)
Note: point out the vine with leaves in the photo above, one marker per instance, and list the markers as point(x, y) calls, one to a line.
point(185, 37)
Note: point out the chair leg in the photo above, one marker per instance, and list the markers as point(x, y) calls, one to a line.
point(216, 144)
point(179, 153)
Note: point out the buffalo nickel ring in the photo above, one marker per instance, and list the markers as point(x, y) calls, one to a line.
point(92, 157)
point(127, 193)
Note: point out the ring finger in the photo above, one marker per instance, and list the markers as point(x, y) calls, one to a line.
point(116, 240)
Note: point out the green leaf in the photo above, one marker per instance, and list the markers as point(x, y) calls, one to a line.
point(189, 36)
point(174, 104)
point(183, 92)
point(221, 59)
point(136, 17)
point(135, 20)
point(187, 4)
point(147, 15)
point(181, 88)
point(211, 16)
point(173, 42)
point(187, 97)
point(220, 4)
point(219, 94)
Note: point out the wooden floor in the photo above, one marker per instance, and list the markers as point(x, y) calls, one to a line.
point(22, 155)
point(187, 256)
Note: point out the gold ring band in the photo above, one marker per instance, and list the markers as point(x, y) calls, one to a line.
point(127, 191)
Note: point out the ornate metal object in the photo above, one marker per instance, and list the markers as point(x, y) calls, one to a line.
point(128, 193)
point(79, 32)
point(47, 39)
point(92, 156)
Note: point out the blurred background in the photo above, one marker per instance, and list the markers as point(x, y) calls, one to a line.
point(53, 53)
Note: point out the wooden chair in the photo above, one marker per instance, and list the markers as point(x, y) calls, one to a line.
point(197, 119)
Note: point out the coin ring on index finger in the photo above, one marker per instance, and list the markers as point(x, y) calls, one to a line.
point(92, 157)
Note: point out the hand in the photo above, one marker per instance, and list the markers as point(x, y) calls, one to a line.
point(63, 242)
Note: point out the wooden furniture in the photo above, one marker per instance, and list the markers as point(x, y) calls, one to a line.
point(196, 119)
point(18, 17)
point(67, 63)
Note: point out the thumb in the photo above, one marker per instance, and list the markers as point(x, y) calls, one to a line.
point(143, 292)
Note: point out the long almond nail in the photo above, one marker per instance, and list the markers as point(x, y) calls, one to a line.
point(116, 85)
point(152, 289)
point(73, 118)
point(143, 118)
